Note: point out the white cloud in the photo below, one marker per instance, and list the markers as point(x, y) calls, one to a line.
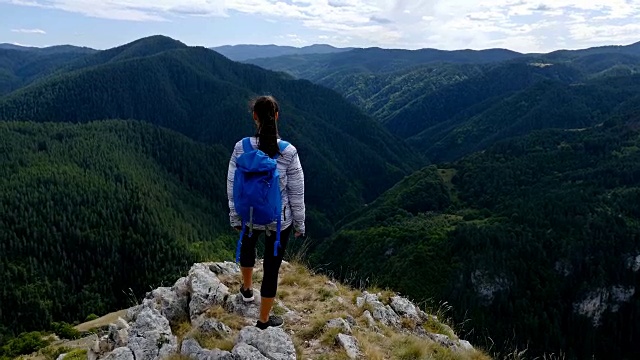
point(294, 39)
point(29, 31)
point(522, 25)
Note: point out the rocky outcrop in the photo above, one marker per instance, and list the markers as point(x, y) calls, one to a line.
point(247, 352)
point(206, 290)
point(273, 343)
point(381, 312)
point(150, 337)
point(401, 308)
point(192, 349)
point(145, 333)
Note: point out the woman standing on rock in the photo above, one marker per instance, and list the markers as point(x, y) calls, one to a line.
point(258, 205)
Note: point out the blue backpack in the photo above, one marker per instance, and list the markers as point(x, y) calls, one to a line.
point(256, 191)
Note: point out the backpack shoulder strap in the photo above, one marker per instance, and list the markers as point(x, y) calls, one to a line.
point(246, 145)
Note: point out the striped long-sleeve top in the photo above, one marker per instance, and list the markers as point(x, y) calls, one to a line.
point(291, 188)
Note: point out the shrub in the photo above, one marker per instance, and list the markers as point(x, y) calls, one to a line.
point(25, 343)
point(65, 330)
point(91, 317)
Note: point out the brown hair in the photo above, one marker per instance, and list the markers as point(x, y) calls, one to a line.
point(266, 108)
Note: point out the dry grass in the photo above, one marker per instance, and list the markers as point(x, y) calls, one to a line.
point(101, 321)
point(214, 341)
point(437, 327)
point(232, 320)
point(393, 345)
point(178, 357)
point(181, 329)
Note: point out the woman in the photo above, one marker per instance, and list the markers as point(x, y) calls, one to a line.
point(265, 111)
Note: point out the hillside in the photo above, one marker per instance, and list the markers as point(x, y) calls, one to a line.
point(545, 104)
point(203, 95)
point(91, 213)
point(247, 52)
point(566, 201)
point(19, 68)
point(323, 320)
point(473, 94)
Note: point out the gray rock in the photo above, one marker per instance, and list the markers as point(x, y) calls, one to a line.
point(150, 336)
point(370, 321)
point(339, 323)
point(404, 307)
point(225, 268)
point(121, 324)
point(118, 336)
point(350, 345)
point(366, 298)
point(385, 314)
point(443, 340)
point(133, 312)
point(181, 287)
point(251, 310)
point(247, 352)
point(464, 344)
point(192, 349)
point(351, 320)
point(211, 326)
point(206, 290)
point(380, 312)
point(121, 353)
point(273, 343)
point(61, 356)
point(105, 345)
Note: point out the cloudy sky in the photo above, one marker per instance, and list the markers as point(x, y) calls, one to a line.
point(521, 25)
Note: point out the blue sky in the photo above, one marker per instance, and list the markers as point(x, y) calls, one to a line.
point(521, 25)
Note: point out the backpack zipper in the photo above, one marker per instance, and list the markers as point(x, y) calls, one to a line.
point(285, 213)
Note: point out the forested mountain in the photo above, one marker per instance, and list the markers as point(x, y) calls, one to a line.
point(535, 242)
point(21, 67)
point(427, 97)
point(93, 214)
point(205, 96)
point(247, 52)
point(544, 104)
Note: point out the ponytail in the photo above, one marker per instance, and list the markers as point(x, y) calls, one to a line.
point(266, 108)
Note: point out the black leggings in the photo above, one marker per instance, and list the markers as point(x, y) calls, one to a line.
point(271, 263)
